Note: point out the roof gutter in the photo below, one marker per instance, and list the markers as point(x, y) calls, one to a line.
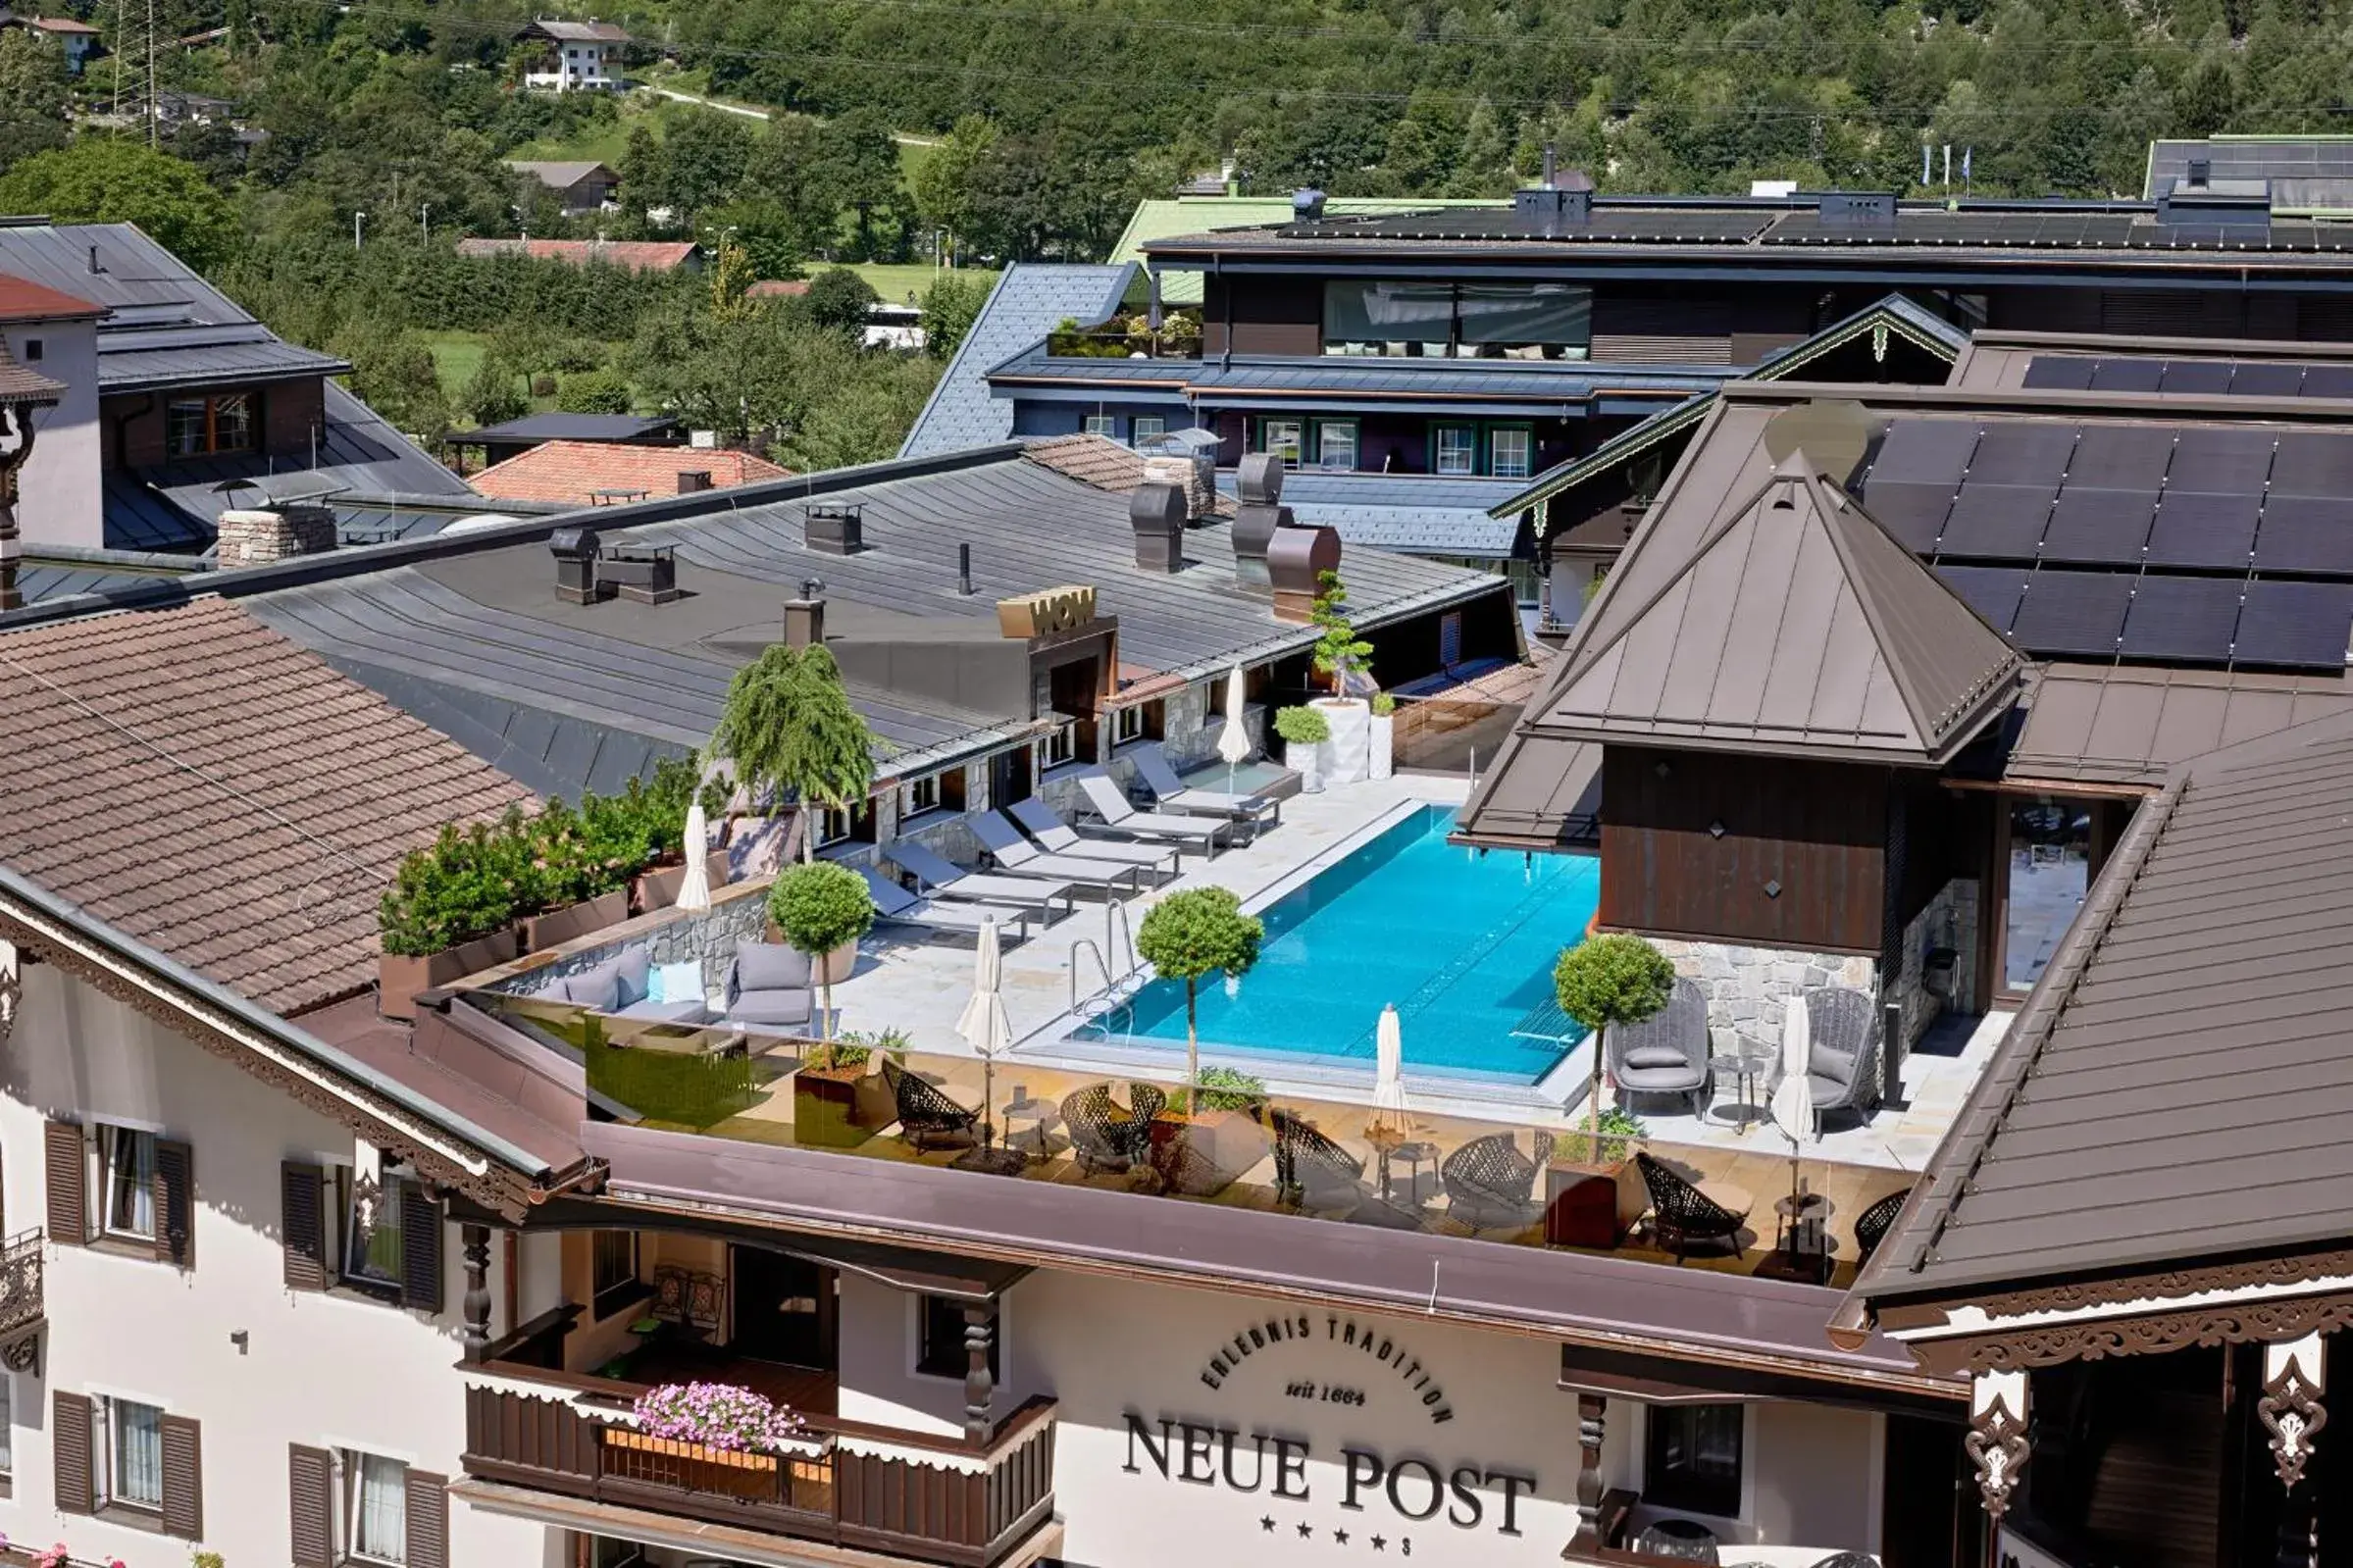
point(63, 924)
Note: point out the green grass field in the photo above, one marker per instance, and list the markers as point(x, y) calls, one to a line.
point(457, 356)
point(895, 281)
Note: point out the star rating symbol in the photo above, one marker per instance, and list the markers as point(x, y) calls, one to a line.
point(1340, 1536)
point(1305, 1530)
point(1378, 1544)
point(1266, 1523)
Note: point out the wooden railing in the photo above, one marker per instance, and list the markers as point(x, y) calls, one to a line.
point(967, 1513)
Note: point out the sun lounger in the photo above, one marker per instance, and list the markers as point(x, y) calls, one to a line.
point(938, 876)
point(1040, 821)
point(895, 904)
point(1017, 855)
point(1174, 794)
point(1110, 803)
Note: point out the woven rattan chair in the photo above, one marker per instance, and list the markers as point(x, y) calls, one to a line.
point(1109, 1139)
point(1842, 1061)
point(1681, 1214)
point(1310, 1169)
point(1873, 1226)
point(1490, 1184)
point(928, 1118)
point(1666, 1053)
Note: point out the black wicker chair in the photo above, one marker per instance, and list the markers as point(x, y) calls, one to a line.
point(1873, 1224)
point(1310, 1169)
point(1681, 1214)
point(1107, 1138)
point(928, 1118)
point(1490, 1184)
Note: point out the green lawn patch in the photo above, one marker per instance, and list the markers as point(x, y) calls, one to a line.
point(893, 282)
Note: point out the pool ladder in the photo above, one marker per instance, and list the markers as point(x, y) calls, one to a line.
point(1114, 997)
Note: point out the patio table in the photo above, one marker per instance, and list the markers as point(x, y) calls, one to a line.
point(1747, 1064)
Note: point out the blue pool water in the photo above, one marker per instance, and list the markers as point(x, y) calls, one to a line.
point(1462, 944)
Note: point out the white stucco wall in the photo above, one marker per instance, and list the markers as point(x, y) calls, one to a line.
point(59, 498)
point(317, 1369)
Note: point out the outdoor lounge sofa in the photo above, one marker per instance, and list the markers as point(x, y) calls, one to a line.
point(768, 986)
point(1666, 1054)
point(1109, 803)
point(1058, 838)
point(1174, 794)
point(937, 877)
point(1842, 1059)
point(620, 986)
point(899, 907)
point(1017, 855)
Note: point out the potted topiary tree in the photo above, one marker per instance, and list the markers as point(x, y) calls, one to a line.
point(1606, 980)
point(1342, 657)
point(1189, 936)
point(822, 909)
point(790, 732)
point(1303, 732)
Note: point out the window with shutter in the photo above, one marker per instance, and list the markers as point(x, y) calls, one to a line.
point(428, 1519)
point(310, 1505)
point(174, 1203)
point(182, 1506)
point(66, 1172)
point(70, 1452)
point(302, 1225)
point(419, 1248)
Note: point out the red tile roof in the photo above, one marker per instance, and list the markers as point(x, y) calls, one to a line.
point(778, 288)
point(637, 255)
point(22, 300)
point(572, 471)
point(221, 795)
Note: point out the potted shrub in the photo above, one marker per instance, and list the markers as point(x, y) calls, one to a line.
point(585, 860)
point(1303, 732)
point(822, 909)
point(449, 913)
point(790, 732)
point(1383, 762)
point(1605, 980)
point(1344, 657)
point(1189, 936)
point(1205, 1140)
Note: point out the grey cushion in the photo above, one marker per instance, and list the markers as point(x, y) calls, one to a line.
point(633, 967)
point(768, 966)
point(777, 1006)
point(598, 989)
point(1656, 1057)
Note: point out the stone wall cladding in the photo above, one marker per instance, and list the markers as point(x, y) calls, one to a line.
point(1748, 988)
point(1949, 920)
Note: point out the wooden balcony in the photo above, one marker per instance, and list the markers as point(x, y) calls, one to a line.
point(969, 1509)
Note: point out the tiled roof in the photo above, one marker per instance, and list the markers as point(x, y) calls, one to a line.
point(211, 789)
point(23, 300)
point(1100, 462)
point(22, 383)
point(637, 255)
point(575, 470)
point(1026, 304)
point(577, 32)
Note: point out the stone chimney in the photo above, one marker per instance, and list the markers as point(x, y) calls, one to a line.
point(804, 616)
point(1157, 512)
point(1259, 512)
point(259, 537)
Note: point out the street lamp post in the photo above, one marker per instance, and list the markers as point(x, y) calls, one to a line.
point(356, 219)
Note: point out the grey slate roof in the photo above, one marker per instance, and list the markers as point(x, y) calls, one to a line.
point(2175, 1088)
point(1335, 380)
point(1414, 513)
point(59, 570)
point(1029, 299)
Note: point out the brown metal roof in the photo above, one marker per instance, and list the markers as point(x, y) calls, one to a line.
point(2177, 1085)
point(1540, 792)
point(1998, 361)
point(211, 789)
point(1796, 622)
point(2129, 724)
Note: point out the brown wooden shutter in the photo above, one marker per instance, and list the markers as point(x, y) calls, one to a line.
point(420, 1247)
point(184, 1478)
point(310, 1505)
point(302, 1224)
point(174, 1203)
point(70, 1452)
point(68, 1168)
point(428, 1519)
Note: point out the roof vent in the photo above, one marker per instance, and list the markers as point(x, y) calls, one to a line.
point(644, 572)
point(1856, 209)
point(575, 552)
point(1563, 202)
point(1258, 516)
point(1296, 562)
point(835, 528)
point(2235, 203)
point(1306, 205)
point(2201, 174)
point(1157, 512)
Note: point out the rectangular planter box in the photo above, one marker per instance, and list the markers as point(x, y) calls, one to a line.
point(398, 980)
point(1202, 1154)
point(825, 1108)
point(692, 1466)
point(560, 925)
point(1580, 1205)
point(658, 888)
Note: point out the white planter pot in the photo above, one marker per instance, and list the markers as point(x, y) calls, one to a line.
point(1304, 761)
point(1384, 734)
point(1348, 755)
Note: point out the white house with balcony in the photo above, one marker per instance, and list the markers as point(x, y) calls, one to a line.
point(577, 55)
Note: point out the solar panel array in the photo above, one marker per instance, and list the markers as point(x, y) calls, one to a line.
point(2071, 228)
point(2203, 376)
point(2177, 543)
point(1662, 226)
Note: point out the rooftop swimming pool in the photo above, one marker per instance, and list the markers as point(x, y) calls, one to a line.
point(1463, 944)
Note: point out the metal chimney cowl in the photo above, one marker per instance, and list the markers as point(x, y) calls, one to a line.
point(1157, 514)
point(1296, 562)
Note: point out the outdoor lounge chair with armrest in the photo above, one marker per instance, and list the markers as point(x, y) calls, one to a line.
point(1842, 1056)
point(768, 986)
point(1056, 837)
point(1018, 856)
point(1666, 1054)
point(1174, 794)
point(1681, 1213)
point(1108, 802)
point(1108, 1138)
point(1491, 1184)
point(938, 876)
point(927, 1117)
point(895, 904)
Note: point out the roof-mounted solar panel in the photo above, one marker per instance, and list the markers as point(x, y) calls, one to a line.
point(2306, 534)
point(2128, 376)
point(2205, 377)
point(2022, 452)
point(1993, 592)
point(2059, 373)
point(2220, 460)
point(1913, 513)
point(2197, 529)
point(2295, 624)
point(2272, 380)
point(2098, 526)
point(1926, 451)
point(2073, 613)
point(2183, 618)
point(2314, 463)
point(1997, 521)
point(2125, 457)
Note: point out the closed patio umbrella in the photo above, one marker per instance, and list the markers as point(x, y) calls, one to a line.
point(694, 891)
point(1233, 742)
point(1793, 1099)
point(987, 1029)
point(1389, 1075)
